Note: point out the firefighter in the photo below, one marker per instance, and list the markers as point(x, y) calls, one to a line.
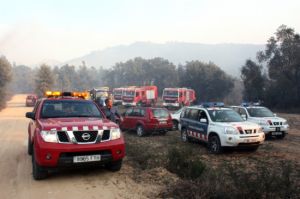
point(111, 112)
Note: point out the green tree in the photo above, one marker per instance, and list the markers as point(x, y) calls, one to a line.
point(254, 81)
point(44, 80)
point(5, 78)
point(208, 80)
point(282, 58)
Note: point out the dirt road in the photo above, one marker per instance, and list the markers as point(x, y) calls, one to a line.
point(16, 174)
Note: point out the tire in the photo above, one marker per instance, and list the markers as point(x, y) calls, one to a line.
point(175, 125)
point(29, 147)
point(281, 136)
point(140, 130)
point(184, 136)
point(38, 172)
point(115, 166)
point(214, 144)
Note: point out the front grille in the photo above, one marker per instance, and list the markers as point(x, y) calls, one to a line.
point(85, 136)
point(249, 131)
point(106, 135)
point(62, 136)
point(170, 101)
point(277, 123)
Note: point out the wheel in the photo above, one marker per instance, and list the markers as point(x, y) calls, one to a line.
point(281, 136)
point(140, 131)
point(29, 147)
point(214, 144)
point(114, 166)
point(38, 172)
point(175, 125)
point(184, 136)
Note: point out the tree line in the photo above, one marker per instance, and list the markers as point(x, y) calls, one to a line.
point(273, 78)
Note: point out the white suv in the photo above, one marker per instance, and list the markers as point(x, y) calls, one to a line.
point(219, 127)
point(270, 123)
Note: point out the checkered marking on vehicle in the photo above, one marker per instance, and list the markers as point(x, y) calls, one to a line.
point(197, 135)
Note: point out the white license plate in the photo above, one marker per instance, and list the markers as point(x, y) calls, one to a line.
point(86, 158)
point(276, 133)
point(163, 122)
point(250, 140)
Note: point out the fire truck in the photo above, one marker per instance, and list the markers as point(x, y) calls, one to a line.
point(140, 96)
point(178, 97)
point(117, 94)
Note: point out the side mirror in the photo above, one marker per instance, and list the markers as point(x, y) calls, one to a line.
point(30, 115)
point(275, 115)
point(244, 117)
point(203, 120)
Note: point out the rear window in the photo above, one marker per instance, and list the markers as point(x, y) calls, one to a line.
point(69, 108)
point(160, 113)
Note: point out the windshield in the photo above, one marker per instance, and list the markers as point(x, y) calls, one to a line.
point(129, 93)
point(69, 108)
point(118, 92)
point(260, 112)
point(224, 116)
point(171, 93)
point(160, 113)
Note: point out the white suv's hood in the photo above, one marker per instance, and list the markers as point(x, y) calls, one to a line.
point(266, 119)
point(244, 125)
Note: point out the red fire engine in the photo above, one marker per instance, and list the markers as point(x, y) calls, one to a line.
point(138, 96)
point(178, 97)
point(117, 94)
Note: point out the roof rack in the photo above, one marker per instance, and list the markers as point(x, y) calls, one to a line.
point(212, 104)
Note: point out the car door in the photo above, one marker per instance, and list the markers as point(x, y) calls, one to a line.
point(33, 123)
point(192, 122)
point(127, 118)
point(202, 125)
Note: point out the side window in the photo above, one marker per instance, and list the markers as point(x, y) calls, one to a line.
point(186, 113)
point(202, 115)
point(36, 107)
point(136, 112)
point(128, 112)
point(142, 113)
point(194, 114)
point(242, 112)
point(137, 94)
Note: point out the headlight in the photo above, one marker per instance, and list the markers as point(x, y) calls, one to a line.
point(263, 123)
point(231, 130)
point(49, 136)
point(115, 134)
point(260, 130)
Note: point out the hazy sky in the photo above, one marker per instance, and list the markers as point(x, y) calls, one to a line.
point(32, 31)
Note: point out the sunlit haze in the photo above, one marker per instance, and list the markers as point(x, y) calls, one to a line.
point(34, 31)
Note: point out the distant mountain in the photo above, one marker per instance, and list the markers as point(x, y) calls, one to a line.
point(230, 57)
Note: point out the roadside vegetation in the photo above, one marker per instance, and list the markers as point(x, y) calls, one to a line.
point(241, 174)
point(5, 78)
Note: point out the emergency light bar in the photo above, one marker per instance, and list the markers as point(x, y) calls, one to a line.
point(84, 95)
point(212, 104)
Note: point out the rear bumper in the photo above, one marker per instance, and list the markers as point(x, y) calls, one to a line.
point(158, 127)
point(62, 154)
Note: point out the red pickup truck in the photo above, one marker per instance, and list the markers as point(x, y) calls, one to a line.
point(71, 132)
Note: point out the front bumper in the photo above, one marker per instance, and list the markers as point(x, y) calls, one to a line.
point(242, 140)
point(62, 154)
point(271, 129)
point(170, 104)
point(129, 103)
